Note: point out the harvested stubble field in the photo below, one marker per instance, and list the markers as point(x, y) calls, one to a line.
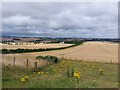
point(89, 51)
point(34, 46)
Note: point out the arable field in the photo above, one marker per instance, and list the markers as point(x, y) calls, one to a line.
point(89, 59)
point(88, 51)
point(34, 46)
point(56, 76)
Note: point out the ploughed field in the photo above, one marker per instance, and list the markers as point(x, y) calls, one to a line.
point(88, 51)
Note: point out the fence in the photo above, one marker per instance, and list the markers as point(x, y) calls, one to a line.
point(113, 60)
point(36, 65)
point(26, 63)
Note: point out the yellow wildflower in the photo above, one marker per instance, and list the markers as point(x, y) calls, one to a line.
point(78, 77)
point(94, 80)
point(26, 77)
point(50, 66)
point(101, 72)
point(77, 74)
point(61, 66)
point(23, 80)
point(39, 73)
point(42, 72)
point(87, 65)
point(60, 70)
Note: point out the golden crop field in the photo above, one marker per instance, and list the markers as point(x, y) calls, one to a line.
point(89, 51)
point(34, 46)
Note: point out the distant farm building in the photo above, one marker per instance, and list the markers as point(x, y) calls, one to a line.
point(61, 42)
point(45, 42)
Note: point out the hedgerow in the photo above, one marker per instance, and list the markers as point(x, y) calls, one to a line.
point(12, 51)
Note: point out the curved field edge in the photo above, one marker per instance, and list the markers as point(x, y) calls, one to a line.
point(19, 50)
point(55, 76)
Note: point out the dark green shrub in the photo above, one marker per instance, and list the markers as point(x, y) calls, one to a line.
point(49, 58)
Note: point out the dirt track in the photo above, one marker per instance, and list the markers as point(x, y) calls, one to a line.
point(89, 51)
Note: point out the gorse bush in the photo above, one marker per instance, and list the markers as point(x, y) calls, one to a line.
point(49, 58)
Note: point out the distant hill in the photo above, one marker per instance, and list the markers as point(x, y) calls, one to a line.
point(13, 38)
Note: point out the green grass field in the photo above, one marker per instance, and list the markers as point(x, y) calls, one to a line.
point(56, 76)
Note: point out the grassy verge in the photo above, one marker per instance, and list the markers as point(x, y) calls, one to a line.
point(56, 76)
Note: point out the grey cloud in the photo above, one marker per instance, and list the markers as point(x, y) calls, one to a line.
point(61, 19)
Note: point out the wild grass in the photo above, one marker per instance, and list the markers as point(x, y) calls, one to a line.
point(56, 76)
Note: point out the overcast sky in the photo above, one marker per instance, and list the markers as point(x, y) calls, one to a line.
point(80, 19)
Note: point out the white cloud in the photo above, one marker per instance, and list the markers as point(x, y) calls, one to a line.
point(19, 20)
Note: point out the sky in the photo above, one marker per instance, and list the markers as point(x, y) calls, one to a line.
point(60, 19)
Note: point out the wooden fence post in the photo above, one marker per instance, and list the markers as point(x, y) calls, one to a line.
point(35, 65)
point(70, 71)
point(14, 61)
point(27, 63)
point(81, 60)
point(62, 58)
point(111, 61)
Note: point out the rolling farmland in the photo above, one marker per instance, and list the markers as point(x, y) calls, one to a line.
point(77, 57)
point(34, 46)
point(89, 51)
